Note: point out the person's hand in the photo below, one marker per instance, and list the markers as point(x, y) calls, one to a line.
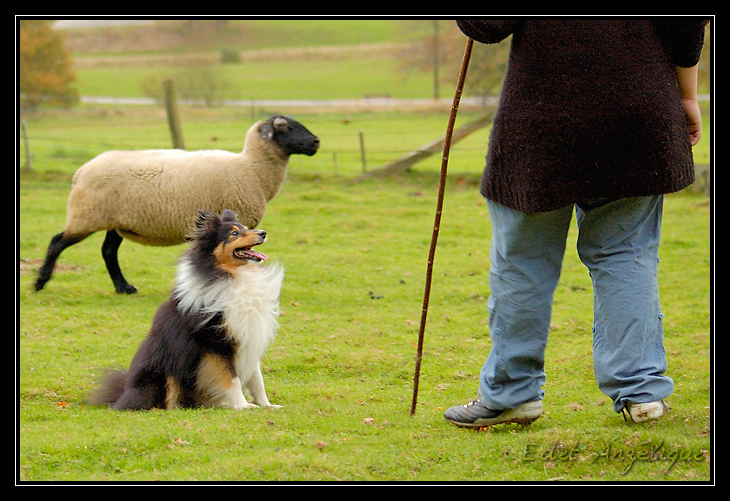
point(694, 119)
point(687, 80)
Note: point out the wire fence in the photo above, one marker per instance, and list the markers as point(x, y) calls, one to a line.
point(357, 136)
point(354, 139)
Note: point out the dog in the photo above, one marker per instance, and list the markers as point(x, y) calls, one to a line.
point(206, 341)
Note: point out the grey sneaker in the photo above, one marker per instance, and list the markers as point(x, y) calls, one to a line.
point(646, 411)
point(475, 414)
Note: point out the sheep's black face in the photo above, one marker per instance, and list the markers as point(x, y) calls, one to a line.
point(291, 136)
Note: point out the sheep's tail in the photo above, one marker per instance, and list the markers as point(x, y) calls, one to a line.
point(109, 389)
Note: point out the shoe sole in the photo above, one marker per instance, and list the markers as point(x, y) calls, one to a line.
point(524, 415)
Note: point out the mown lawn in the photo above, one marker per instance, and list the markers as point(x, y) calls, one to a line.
point(342, 365)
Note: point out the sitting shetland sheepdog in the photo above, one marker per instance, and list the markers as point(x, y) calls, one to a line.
point(207, 340)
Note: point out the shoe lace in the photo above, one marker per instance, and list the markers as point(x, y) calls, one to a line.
point(624, 411)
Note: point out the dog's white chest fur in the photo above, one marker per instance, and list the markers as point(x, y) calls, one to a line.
point(250, 305)
point(251, 315)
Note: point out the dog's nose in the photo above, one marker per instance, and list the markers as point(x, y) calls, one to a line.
point(262, 233)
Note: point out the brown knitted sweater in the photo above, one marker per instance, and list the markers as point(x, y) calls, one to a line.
point(589, 108)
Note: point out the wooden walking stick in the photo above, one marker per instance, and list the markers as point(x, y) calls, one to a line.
point(437, 219)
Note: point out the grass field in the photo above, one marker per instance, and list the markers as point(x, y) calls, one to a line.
point(272, 80)
point(355, 254)
point(342, 365)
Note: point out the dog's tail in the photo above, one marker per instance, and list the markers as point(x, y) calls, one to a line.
point(109, 389)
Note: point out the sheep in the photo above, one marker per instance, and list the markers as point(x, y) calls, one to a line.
point(151, 196)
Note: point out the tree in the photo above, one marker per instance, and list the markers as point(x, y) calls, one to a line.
point(440, 51)
point(45, 67)
point(197, 81)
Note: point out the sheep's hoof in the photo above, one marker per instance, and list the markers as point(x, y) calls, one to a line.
point(126, 289)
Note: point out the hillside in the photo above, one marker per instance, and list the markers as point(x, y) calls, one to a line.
point(354, 57)
point(185, 36)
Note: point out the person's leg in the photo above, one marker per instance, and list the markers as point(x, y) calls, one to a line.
point(618, 241)
point(526, 256)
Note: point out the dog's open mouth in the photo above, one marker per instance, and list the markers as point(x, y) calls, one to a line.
point(249, 254)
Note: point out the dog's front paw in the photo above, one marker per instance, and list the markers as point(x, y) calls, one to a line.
point(244, 405)
point(237, 403)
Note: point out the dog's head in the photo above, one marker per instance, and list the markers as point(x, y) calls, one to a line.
point(225, 242)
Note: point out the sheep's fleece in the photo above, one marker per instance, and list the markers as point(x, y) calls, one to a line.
point(153, 196)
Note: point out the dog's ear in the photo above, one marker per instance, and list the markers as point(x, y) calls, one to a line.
point(229, 216)
point(205, 218)
point(205, 222)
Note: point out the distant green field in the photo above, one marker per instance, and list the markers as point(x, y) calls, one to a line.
point(179, 36)
point(276, 80)
point(330, 32)
point(298, 78)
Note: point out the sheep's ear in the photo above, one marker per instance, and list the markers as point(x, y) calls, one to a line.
point(267, 131)
point(280, 122)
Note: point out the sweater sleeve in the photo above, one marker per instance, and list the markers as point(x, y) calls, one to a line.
point(487, 31)
point(687, 37)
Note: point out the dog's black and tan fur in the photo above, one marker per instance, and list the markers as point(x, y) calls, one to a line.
point(206, 341)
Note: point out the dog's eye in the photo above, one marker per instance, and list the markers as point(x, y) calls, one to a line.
point(234, 233)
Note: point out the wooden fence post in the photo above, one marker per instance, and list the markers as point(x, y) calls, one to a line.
point(173, 119)
point(27, 167)
point(362, 152)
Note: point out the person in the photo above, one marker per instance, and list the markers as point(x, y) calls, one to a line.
point(596, 116)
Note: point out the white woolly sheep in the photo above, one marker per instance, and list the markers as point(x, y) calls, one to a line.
point(152, 196)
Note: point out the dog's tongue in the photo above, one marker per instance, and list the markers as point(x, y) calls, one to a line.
point(258, 255)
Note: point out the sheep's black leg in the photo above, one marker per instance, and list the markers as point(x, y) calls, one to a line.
point(57, 245)
point(109, 251)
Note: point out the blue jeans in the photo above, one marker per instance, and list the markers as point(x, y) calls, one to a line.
point(618, 241)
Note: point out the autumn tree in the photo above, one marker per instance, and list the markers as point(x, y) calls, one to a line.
point(45, 69)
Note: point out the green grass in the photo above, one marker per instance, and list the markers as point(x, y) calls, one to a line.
point(328, 32)
point(334, 79)
point(342, 364)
